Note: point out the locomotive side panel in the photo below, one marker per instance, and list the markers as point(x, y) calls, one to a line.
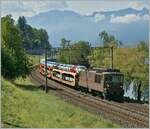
point(91, 83)
point(94, 83)
point(83, 79)
point(88, 80)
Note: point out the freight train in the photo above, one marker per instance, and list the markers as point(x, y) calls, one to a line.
point(104, 82)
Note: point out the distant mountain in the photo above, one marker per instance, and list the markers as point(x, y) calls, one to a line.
point(128, 25)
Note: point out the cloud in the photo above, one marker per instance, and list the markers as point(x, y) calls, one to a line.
point(86, 7)
point(128, 18)
point(11, 6)
point(83, 7)
point(138, 5)
point(99, 17)
point(42, 6)
point(30, 7)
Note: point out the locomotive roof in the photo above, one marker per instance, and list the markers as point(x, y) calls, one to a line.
point(112, 73)
point(101, 70)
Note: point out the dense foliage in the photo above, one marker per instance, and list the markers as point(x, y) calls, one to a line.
point(16, 39)
point(32, 38)
point(109, 40)
point(74, 53)
point(14, 60)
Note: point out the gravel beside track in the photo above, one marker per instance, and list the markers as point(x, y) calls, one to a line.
point(126, 114)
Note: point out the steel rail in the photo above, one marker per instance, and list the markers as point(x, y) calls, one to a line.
point(124, 115)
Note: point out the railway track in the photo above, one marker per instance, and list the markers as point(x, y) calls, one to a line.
point(121, 113)
point(134, 107)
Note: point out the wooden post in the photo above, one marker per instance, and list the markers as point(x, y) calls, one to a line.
point(111, 57)
point(45, 68)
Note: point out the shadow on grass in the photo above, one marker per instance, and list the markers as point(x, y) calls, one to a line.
point(13, 125)
point(33, 87)
point(28, 87)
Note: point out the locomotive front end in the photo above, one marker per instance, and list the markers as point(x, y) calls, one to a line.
point(113, 85)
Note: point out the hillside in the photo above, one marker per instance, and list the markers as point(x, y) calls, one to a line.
point(24, 105)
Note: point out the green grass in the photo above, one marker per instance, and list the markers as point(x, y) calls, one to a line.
point(24, 105)
point(36, 58)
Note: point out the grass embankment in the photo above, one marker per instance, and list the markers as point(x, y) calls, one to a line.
point(24, 105)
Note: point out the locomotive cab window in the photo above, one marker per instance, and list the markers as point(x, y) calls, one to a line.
point(98, 78)
point(114, 79)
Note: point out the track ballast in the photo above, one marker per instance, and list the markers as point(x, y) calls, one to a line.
point(125, 114)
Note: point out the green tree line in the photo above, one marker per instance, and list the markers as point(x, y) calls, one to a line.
point(16, 39)
point(74, 53)
point(32, 38)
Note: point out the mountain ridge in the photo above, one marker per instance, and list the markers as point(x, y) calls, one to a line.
point(73, 26)
point(124, 11)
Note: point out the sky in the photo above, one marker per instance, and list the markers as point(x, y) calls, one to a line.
point(30, 8)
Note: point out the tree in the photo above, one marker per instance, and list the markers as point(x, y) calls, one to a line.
point(15, 62)
point(100, 57)
point(65, 43)
point(32, 38)
point(22, 23)
point(132, 62)
point(75, 53)
point(24, 31)
point(80, 52)
point(109, 40)
point(141, 74)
